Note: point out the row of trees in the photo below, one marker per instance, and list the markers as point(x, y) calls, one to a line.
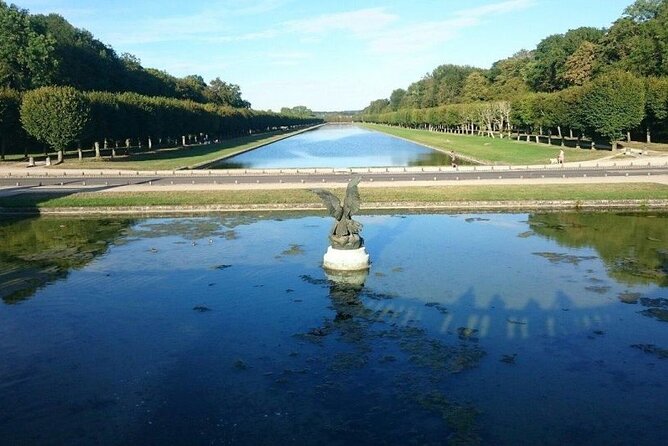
point(63, 117)
point(575, 69)
point(41, 50)
point(608, 107)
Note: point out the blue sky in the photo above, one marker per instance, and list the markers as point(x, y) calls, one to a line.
point(327, 55)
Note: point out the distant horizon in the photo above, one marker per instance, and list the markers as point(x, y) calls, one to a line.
point(328, 56)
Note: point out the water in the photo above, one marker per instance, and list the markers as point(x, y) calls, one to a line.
point(338, 146)
point(493, 329)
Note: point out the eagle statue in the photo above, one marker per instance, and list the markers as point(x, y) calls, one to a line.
point(345, 233)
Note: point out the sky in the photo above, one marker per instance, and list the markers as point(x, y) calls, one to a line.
point(327, 55)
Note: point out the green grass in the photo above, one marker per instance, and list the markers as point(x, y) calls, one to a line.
point(490, 150)
point(287, 197)
point(171, 158)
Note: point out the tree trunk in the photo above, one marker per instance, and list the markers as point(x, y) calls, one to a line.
point(537, 139)
point(549, 137)
point(571, 132)
point(649, 136)
point(60, 156)
point(97, 150)
point(559, 131)
point(150, 143)
point(613, 143)
point(183, 141)
point(80, 153)
point(3, 145)
point(593, 145)
point(528, 137)
point(628, 136)
point(577, 141)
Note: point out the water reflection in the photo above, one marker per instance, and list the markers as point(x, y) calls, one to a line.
point(467, 329)
point(633, 247)
point(337, 147)
point(38, 250)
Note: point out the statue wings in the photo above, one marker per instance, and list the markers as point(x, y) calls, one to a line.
point(352, 200)
point(331, 201)
point(351, 203)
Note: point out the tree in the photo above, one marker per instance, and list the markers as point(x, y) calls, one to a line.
point(656, 106)
point(26, 57)
point(638, 41)
point(377, 106)
point(644, 10)
point(546, 72)
point(223, 93)
point(300, 111)
point(579, 66)
point(613, 103)
point(476, 87)
point(55, 115)
point(9, 117)
point(508, 75)
point(396, 98)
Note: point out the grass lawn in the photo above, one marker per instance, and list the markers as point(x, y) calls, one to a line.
point(408, 195)
point(171, 158)
point(491, 151)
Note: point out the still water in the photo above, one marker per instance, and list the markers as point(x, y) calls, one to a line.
point(496, 329)
point(338, 146)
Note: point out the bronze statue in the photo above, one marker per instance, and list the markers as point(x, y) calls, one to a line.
point(345, 233)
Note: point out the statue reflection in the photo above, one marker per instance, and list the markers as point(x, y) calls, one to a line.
point(345, 288)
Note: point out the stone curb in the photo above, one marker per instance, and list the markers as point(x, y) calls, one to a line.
point(457, 206)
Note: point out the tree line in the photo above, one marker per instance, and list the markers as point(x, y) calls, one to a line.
point(66, 118)
point(41, 50)
point(61, 87)
point(606, 83)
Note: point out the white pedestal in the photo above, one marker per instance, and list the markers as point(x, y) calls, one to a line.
point(346, 259)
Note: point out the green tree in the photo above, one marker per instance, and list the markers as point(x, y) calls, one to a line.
point(579, 66)
point(377, 106)
point(656, 106)
point(638, 41)
point(223, 93)
point(613, 103)
point(508, 76)
point(476, 87)
point(9, 118)
point(55, 115)
point(396, 98)
point(546, 72)
point(26, 57)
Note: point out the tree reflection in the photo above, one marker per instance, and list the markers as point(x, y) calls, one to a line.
point(39, 250)
point(633, 247)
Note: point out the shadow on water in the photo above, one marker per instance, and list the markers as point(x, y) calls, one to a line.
point(359, 377)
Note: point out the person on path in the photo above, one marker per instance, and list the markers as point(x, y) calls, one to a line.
point(561, 158)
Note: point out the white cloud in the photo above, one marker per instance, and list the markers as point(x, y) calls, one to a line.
point(360, 22)
point(496, 8)
point(426, 35)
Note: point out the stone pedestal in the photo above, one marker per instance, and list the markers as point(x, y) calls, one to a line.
point(346, 259)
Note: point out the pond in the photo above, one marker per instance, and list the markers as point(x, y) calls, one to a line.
point(337, 146)
point(500, 329)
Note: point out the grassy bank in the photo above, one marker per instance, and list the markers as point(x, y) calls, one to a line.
point(489, 150)
point(173, 158)
point(395, 196)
